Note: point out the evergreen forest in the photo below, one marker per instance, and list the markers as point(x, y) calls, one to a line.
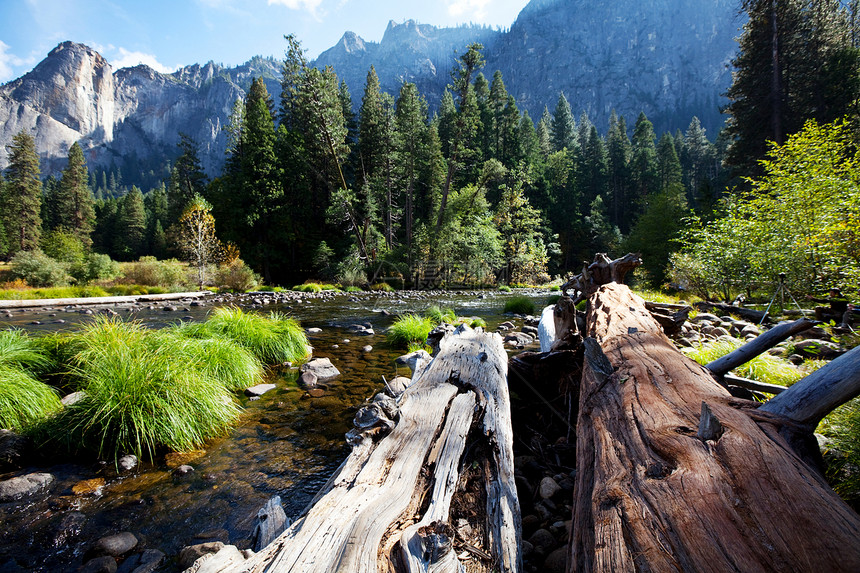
point(480, 193)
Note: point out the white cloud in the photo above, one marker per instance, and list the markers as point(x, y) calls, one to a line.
point(474, 10)
point(7, 62)
point(309, 5)
point(128, 59)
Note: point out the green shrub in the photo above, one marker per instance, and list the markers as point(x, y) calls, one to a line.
point(520, 305)
point(439, 315)
point(351, 288)
point(38, 269)
point(308, 287)
point(236, 276)
point(409, 329)
point(140, 396)
point(350, 272)
point(149, 271)
point(63, 246)
point(555, 288)
point(842, 426)
point(478, 322)
point(504, 288)
point(94, 267)
point(383, 287)
point(273, 340)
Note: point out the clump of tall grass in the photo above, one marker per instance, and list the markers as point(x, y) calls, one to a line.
point(273, 339)
point(226, 361)
point(504, 288)
point(520, 305)
point(352, 288)
point(308, 287)
point(383, 287)
point(52, 292)
point(439, 315)
point(23, 399)
point(477, 321)
point(763, 368)
point(842, 426)
point(410, 329)
point(142, 393)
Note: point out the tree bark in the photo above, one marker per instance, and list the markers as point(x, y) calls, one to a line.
point(651, 495)
point(389, 507)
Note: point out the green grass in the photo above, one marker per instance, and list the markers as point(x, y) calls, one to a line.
point(273, 339)
point(842, 426)
point(23, 399)
point(504, 288)
point(226, 361)
point(520, 305)
point(763, 368)
point(52, 292)
point(439, 315)
point(353, 289)
point(142, 394)
point(478, 322)
point(315, 287)
point(134, 290)
point(384, 287)
point(409, 329)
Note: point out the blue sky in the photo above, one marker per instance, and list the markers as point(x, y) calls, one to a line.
point(167, 34)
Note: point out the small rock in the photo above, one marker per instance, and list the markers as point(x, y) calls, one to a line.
point(705, 316)
point(24, 486)
point(397, 386)
point(116, 545)
point(169, 309)
point(314, 330)
point(316, 392)
point(543, 539)
point(819, 349)
point(183, 470)
point(322, 367)
point(93, 486)
point(128, 462)
point(145, 562)
point(528, 549)
point(72, 398)
point(531, 523)
point(104, 564)
point(308, 379)
point(548, 488)
point(795, 359)
point(556, 562)
point(259, 389)
point(192, 553)
point(366, 348)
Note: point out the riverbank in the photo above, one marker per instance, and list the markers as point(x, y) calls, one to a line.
point(101, 300)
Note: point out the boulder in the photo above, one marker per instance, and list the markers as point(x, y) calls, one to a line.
point(548, 488)
point(308, 379)
point(705, 316)
point(145, 562)
point(397, 386)
point(192, 553)
point(103, 564)
point(322, 367)
point(415, 360)
point(556, 562)
point(24, 486)
point(72, 398)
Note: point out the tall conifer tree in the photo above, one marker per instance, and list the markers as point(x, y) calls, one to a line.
point(22, 196)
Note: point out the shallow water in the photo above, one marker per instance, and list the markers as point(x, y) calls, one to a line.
point(286, 443)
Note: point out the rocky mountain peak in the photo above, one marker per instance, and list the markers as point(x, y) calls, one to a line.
point(352, 43)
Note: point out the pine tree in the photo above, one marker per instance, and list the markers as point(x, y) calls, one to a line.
point(563, 126)
point(544, 133)
point(409, 147)
point(22, 197)
point(50, 210)
point(76, 213)
point(528, 146)
point(618, 151)
point(668, 164)
point(131, 231)
point(593, 167)
point(371, 127)
point(187, 179)
point(643, 160)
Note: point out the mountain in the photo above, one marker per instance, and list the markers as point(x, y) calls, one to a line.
point(126, 117)
point(668, 58)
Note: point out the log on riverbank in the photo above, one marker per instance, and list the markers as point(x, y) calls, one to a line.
point(31, 303)
point(429, 483)
point(673, 474)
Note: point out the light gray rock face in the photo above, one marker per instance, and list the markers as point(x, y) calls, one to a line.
point(24, 486)
point(668, 58)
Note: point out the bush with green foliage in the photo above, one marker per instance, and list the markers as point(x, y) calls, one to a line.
point(237, 277)
point(95, 267)
point(504, 288)
point(351, 288)
point(63, 246)
point(382, 287)
point(38, 269)
point(520, 305)
point(149, 271)
point(409, 329)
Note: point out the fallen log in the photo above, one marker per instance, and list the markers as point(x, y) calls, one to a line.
point(757, 316)
point(758, 345)
point(673, 474)
point(391, 505)
point(670, 316)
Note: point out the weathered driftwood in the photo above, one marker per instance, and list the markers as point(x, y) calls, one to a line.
point(753, 385)
point(670, 316)
point(808, 400)
point(758, 345)
point(389, 506)
point(652, 495)
point(601, 271)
